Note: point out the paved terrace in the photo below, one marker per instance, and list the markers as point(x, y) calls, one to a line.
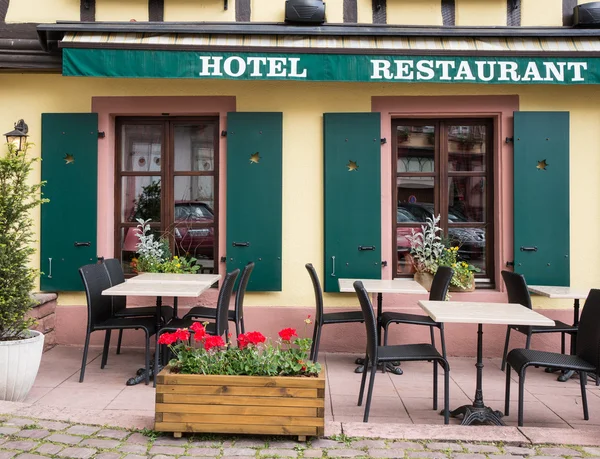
point(401, 409)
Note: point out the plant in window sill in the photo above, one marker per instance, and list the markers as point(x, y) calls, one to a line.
point(463, 279)
point(426, 248)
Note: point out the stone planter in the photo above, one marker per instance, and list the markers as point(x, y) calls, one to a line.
point(259, 405)
point(19, 364)
point(425, 279)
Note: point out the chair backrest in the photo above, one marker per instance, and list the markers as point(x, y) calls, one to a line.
point(516, 288)
point(441, 283)
point(588, 334)
point(221, 322)
point(116, 276)
point(318, 293)
point(95, 280)
point(241, 291)
point(369, 316)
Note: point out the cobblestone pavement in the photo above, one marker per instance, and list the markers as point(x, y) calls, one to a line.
point(27, 438)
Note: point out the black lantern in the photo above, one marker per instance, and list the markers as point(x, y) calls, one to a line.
point(18, 137)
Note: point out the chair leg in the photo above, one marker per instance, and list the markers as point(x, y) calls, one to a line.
point(385, 334)
point(242, 324)
point(362, 381)
point(156, 355)
point(521, 396)
point(507, 392)
point(528, 341)
point(148, 360)
point(562, 343)
point(435, 384)
point(105, 349)
point(370, 391)
point(582, 382)
point(432, 335)
point(505, 353)
point(85, 353)
point(446, 393)
point(119, 341)
point(443, 340)
point(316, 342)
point(237, 328)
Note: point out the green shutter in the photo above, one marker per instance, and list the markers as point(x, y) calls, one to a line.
point(254, 181)
point(68, 222)
point(352, 151)
point(541, 197)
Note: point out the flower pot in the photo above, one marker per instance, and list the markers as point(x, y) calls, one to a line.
point(19, 364)
point(259, 405)
point(458, 289)
point(425, 279)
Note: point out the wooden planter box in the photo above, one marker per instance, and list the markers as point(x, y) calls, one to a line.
point(268, 405)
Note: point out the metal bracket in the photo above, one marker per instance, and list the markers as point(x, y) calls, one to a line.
point(509, 140)
point(225, 4)
point(241, 244)
point(383, 141)
point(529, 249)
point(510, 263)
point(366, 247)
point(101, 134)
point(223, 259)
point(384, 263)
point(223, 133)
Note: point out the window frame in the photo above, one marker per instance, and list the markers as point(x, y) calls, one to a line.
point(167, 175)
point(441, 175)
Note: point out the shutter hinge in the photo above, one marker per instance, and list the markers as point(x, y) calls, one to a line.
point(384, 263)
point(223, 133)
point(509, 140)
point(383, 141)
point(101, 134)
point(510, 263)
point(223, 259)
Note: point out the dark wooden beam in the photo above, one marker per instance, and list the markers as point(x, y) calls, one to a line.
point(87, 10)
point(513, 13)
point(243, 10)
point(379, 12)
point(350, 11)
point(448, 12)
point(156, 10)
point(18, 31)
point(568, 6)
point(3, 9)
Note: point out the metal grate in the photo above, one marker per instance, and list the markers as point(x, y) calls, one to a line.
point(350, 11)
point(513, 13)
point(448, 12)
point(379, 12)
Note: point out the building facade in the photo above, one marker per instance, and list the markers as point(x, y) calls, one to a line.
point(246, 138)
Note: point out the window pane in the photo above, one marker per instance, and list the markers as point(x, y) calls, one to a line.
point(128, 245)
point(195, 196)
point(194, 147)
point(467, 148)
point(405, 265)
point(141, 147)
point(471, 243)
point(467, 199)
point(140, 198)
point(416, 148)
point(196, 242)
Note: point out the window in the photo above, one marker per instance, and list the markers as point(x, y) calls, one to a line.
point(166, 172)
point(445, 167)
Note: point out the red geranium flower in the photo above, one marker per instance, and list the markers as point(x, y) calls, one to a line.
point(167, 338)
point(243, 341)
point(182, 334)
point(256, 337)
point(287, 333)
point(199, 331)
point(213, 341)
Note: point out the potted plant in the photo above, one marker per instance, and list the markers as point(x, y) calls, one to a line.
point(426, 248)
point(463, 279)
point(256, 387)
point(20, 348)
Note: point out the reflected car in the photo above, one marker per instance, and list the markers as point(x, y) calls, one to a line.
point(196, 242)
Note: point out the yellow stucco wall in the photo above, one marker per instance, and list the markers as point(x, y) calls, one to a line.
point(410, 12)
point(28, 95)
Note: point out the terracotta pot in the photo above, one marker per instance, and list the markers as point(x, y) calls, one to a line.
point(425, 279)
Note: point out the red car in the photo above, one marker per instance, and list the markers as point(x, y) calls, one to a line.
point(195, 242)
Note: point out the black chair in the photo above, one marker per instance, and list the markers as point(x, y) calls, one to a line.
point(516, 287)
point(217, 328)
point(233, 315)
point(587, 359)
point(324, 319)
point(95, 279)
point(438, 292)
point(399, 353)
point(119, 303)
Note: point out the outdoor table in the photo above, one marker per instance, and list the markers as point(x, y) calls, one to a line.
point(565, 293)
point(162, 285)
point(481, 313)
point(381, 286)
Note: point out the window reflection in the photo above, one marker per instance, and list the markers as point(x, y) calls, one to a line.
point(415, 148)
point(467, 148)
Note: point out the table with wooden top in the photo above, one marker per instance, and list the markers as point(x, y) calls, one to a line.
point(564, 293)
point(381, 286)
point(481, 313)
point(159, 285)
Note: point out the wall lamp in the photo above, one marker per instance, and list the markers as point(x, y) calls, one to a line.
point(18, 136)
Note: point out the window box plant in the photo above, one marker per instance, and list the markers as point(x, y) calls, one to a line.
point(256, 387)
point(20, 348)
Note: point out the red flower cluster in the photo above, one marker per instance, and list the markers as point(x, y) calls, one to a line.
point(213, 341)
point(170, 338)
point(199, 331)
point(250, 338)
point(287, 334)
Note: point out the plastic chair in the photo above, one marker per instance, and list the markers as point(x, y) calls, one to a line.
point(587, 359)
point(399, 353)
point(95, 279)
